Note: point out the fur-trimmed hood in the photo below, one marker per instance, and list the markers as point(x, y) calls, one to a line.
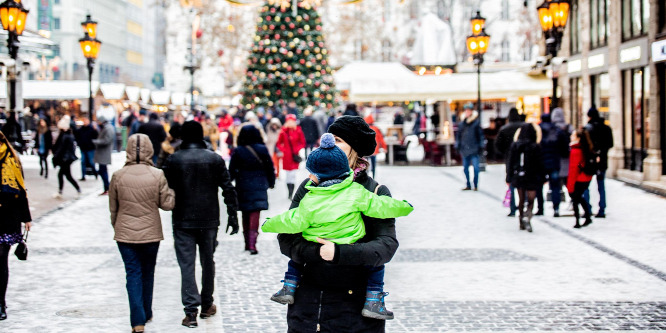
point(472, 118)
point(537, 129)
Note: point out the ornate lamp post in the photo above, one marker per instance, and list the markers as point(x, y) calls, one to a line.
point(13, 17)
point(90, 47)
point(553, 16)
point(477, 45)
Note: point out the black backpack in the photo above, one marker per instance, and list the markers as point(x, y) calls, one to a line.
point(590, 166)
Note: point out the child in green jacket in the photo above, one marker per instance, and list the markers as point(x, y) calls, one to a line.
point(332, 210)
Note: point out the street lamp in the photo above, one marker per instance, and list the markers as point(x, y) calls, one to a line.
point(90, 47)
point(477, 44)
point(553, 16)
point(13, 16)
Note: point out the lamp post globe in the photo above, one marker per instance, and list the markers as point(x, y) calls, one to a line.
point(13, 17)
point(553, 17)
point(90, 47)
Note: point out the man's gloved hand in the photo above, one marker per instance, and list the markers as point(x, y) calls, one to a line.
point(233, 224)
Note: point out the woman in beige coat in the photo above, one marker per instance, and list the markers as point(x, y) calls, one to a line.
point(136, 194)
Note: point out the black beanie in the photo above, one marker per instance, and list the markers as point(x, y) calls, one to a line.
point(192, 131)
point(356, 133)
point(593, 113)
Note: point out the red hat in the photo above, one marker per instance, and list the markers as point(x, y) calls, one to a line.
point(290, 117)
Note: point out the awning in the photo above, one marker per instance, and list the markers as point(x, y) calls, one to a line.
point(377, 71)
point(32, 42)
point(113, 91)
point(178, 99)
point(456, 86)
point(145, 95)
point(133, 93)
point(160, 97)
point(53, 90)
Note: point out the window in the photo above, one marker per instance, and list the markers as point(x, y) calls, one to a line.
point(574, 29)
point(636, 132)
point(56, 24)
point(635, 16)
point(505, 10)
point(599, 22)
point(600, 85)
point(506, 57)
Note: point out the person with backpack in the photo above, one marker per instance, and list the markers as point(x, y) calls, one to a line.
point(553, 146)
point(525, 170)
point(502, 145)
point(582, 166)
point(602, 140)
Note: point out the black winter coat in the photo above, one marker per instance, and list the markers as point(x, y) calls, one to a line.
point(602, 139)
point(48, 141)
point(155, 131)
point(534, 172)
point(253, 177)
point(338, 287)
point(14, 210)
point(85, 136)
point(195, 174)
point(310, 130)
point(64, 151)
point(554, 145)
point(470, 139)
point(505, 137)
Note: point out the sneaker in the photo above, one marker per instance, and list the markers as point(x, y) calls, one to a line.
point(212, 310)
point(138, 329)
point(104, 193)
point(286, 294)
point(190, 320)
point(588, 221)
point(512, 214)
point(374, 306)
point(556, 214)
point(57, 196)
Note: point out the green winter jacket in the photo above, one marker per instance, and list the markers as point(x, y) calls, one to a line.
point(334, 212)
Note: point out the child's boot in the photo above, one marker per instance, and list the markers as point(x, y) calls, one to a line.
point(286, 294)
point(374, 306)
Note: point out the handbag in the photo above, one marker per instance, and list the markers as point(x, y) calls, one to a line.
point(294, 155)
point(21, 251)
point(507, 198)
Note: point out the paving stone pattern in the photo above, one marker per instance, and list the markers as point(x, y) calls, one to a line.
point(460, 255)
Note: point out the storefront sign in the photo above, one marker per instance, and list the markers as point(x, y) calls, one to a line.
point(596, 61)
point(630, 54)
point(659, 51)
point(574, 66)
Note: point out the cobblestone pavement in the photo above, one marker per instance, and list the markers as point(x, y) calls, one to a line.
point(462, 266)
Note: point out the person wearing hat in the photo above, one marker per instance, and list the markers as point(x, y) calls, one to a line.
point(290, 142)
point(335, 276)
point(143, 113)
point(470, 143)
point(155, 131)
point(196, 174)
point(64, 154)
point(332, 210)
point(103, 147)
point(602, 140)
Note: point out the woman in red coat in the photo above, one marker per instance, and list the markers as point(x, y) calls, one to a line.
point(578, 181)
point(290, 142)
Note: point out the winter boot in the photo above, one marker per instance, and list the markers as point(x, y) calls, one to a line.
point(252, 238)
point(521, 224)
point(527, 224)
point(577, 225)
point(588, 221)
point(290, 187)
point(246, 236)
point(374, 306)
point(3, 312)
point(286, 294)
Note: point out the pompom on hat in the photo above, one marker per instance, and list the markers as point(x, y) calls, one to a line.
point(328, 161)
point(356, 133)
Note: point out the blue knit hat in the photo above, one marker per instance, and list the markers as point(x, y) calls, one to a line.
point(328, 161)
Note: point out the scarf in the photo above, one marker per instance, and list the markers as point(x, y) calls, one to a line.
point(12, 176)
point(360, 164)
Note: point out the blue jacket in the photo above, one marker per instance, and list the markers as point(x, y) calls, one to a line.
point(554, 145)
point(469, 138)
point(253, 178)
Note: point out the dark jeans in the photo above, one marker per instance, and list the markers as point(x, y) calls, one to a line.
point(474, 161)
point(66, 172)
point(373, 164)
point(375, 277)
point(43, 164)
point(186, 242)
point(555, 187)
point(87, 160)
point(4, 271)
point(104, 174)
point(577, 197)
point(139, 262)
point(539, 198)
point(601, 184)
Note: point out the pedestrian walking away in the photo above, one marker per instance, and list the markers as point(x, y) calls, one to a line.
point(525, 170)
point(170, 145)
point(470, 142)
point(64, 155)
point(43, 144)
point(581, 169)
point(251, 167)
point(602, 140)
point(310, 129)
point(332, 210)
point(103, 147)
point(554, 146)
point(272, 135)
point(136, 193)
point(335, 276)
point(558, 119)
point(290, 142)
point(84, 139)
point(14, 210)
point(155, 131)
point(503, 142)
point(196, 174)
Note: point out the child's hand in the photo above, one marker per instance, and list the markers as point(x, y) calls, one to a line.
point(327, 250)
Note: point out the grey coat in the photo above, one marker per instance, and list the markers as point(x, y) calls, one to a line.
point(104, 145)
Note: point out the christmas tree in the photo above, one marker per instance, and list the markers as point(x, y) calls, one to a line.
point(289, 61)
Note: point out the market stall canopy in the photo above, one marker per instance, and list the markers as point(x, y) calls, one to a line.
point(178, 99)
point(113, 91)
point(434, 43)
point(53, 90)
point(160, 97)
point(145, 95)
point(374, 71)
point(133, 93)
point(456, 86)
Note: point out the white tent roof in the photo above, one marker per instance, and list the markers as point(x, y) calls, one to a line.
point(145, 95)
point(378, 71)
point(178, 99)
point(113, 91)
point(160, 97)
point(55, 90)
point(457, 86)
point(133, 93)
point(434, 43)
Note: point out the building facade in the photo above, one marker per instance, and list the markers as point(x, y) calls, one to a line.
point(615, 52)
